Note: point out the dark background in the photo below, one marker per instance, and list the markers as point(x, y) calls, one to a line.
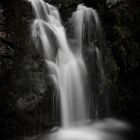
point(28, 103)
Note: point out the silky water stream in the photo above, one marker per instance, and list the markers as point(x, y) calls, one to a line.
point(68, 70)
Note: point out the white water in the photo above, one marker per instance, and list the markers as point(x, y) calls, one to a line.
point(87, 31)
point(65, 69)
point(68, 70)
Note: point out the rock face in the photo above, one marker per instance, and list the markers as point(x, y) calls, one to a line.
point(27, 96)
point(28, 102)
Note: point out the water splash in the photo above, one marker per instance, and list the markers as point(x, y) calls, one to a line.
point(109, 129)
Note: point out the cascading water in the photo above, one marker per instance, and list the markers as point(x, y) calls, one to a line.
point(87, 32)
point(67, 68)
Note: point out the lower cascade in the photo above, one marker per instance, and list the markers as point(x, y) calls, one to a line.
point(68, 70)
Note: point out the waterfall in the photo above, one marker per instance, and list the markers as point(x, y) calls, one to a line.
point(69, 69)
point(65, 69)
point(87, 32)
